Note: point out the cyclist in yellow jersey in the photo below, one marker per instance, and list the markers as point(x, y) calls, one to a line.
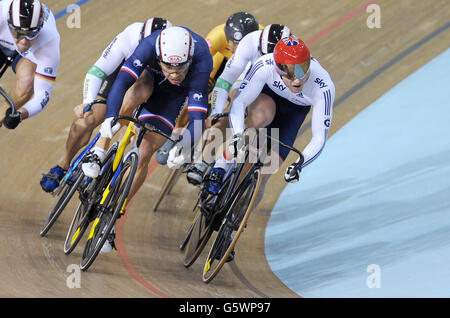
point(222, 41)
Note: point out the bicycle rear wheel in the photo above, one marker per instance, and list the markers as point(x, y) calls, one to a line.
point(202, 227)
point(64, 199)
point(232, 226)
point(200, 232)
point(109, 211)
point(89, 198)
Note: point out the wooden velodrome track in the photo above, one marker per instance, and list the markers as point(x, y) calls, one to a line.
point(364, 63)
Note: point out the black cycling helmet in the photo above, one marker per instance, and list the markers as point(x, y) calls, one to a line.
point(153, 24)
point(270, 36)
point(239, 25)
point(26, 17)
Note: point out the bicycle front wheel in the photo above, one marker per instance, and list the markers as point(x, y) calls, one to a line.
point(64, 199)
point(109, 211)
point(90, 197)
point(232, 226)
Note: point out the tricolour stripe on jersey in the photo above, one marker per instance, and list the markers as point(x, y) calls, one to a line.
point(317, 154)
point(129, 71)
point(253, 70)
point(46, 77)
point(327, 98)
point(161, 118)
point(198, 108)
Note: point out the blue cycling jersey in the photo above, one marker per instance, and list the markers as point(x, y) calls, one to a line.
point(194, 86)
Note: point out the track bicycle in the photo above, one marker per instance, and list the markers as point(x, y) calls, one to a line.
point(226, 212)
point(175, 174)
point(110, 195)
point(239, 201)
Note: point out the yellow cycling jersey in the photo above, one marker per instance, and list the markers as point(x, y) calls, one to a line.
point(218, 46)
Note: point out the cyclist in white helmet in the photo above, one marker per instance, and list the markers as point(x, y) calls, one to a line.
point(178, 63)
point(97, 84)
point(29, 41)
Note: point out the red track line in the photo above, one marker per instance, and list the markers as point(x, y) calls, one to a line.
point(121, 251)
point(337, 24)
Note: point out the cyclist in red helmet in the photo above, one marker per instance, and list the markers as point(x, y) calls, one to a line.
point(279, 91)
point(251, 47)
point(30, 43)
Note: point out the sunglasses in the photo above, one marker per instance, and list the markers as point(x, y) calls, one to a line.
point(293, 71)
point(28, 34)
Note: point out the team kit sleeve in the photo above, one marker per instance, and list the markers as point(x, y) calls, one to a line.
point(250, 88)
point(129, 73)
point(45, 78)
point(197, 109)
point(108, 62)
point(234, 67)
point(320, 122)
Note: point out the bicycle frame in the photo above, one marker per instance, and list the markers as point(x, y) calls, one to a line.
point(131, 131)
point(119, 159)
point(235, 172)
point(117, 168)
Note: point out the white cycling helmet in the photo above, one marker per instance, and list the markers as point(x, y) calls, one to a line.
point(153, 24)
point(175, 46)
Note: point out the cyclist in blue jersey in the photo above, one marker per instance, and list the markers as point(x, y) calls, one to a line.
point(179, 63)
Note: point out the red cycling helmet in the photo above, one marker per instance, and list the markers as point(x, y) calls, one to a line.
point(292, 57)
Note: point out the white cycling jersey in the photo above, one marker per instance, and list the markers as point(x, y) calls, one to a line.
point(245, 55)
point(119, 50)
point(44, 52)
point(318, 91)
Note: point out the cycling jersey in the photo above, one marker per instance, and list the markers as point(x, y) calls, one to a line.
point(44, 52)
point(111, 60)
point(246, 54)
point(194, 86)
point(318, 91)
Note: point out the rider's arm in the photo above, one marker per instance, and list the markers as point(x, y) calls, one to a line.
point(234, 67)
point(129, 73)
point(197, 109)
point(250, 88)
point(320, 122)
point(112, 57)
point(44, 78)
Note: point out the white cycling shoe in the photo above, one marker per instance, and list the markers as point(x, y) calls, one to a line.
point(109, 243)
point(91, 168)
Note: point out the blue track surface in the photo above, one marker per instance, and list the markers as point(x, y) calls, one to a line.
point(378, 194)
